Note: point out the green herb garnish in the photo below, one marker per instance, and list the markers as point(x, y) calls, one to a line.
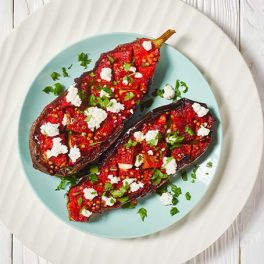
point(93, 178)
point(188, 130)
point(142, 213)
point(157, 176)
point(129, 96)
point(193, 174)
point(79, 201)
point(209, 164)
point(111, 59)
point(57, 89)
point(130, 143)
point(176, 190)
point(108, 186)
point(174, 211)
point(123, 199)
point(48, 89)
point(127, 66)
point(184, 175)
point(66, 181)
point(84, 59)
point(64, 72)
point(174, 139)
point(121, 191)
point(55, 76)
point(188, 196)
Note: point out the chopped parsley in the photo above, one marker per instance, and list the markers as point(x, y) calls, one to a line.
point(193, 174)
point(188, 196)
point(92, 74)
point(84, 59)
point(64, 72)
point(56, 89)
point(128, 78)
point(123, 199)
point(111, 59)
point(174, 211)
point(184, 176)
point(55, 76)
point(108, 186)
point(130, 143)
point(157, 176)
point(209, 164)
point(180, 87)
point(162, 189)
point(127, 66)
point(188, 130)
point(176, 190)
point(79, 201)
point(121, 191)
point(82, 94)
point(93, 173)
point(129, 96)
point(129, 205)
point(66, 182)
point(142, 213)
point(174, 139)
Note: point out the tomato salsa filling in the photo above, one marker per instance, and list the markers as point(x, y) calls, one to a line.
point(144, 159)
point(96, 106)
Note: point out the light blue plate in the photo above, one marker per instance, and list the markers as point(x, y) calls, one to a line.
point(121, 223)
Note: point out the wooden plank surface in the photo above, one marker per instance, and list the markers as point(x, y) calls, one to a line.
point(243, 22)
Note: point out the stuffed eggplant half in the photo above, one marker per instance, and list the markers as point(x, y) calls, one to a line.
point(78, 126)
point(165, 141)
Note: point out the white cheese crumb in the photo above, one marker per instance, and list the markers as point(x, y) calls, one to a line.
point(113, 179)
point(133, 69)
point(128, 181)
point(95, 117)
point(152, 135)
point(169, 92)
point(139, 160)
point(169, 164)
point(109, 201)
point(125, 81)
point(106, 74)
point(57, 148)
point(124, 166)
point(131, 111)
point(114, 106)
point(104, 93)
point(86, 212)
point(50, 129)
point(65, 120)
point(135, 186)
point(166, 198)
point(74, 153)
point(150, 152)
point(199, 110)
point(139, 136)
point(147, 45)
point(73, 97)
point(89, 193)
point(203, 131)
point(138, 75)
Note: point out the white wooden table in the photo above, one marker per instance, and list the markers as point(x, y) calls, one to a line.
point(243, 21)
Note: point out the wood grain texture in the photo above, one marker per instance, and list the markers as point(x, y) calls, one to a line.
point(252, 48)
point(243, 21)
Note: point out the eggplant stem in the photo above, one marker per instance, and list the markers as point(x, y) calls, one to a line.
point(163, 38)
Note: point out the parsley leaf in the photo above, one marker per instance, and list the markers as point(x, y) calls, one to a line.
point(108, 186)
point(64, 72)
point(188, 196)
point(142, 213)
point(93, 178)
point(130, 143)
point(209, 164)
point(193, 174)
point(176, 190)
point(184, 176)
point(84, 59)
point(79, 201)
point(58, 89)
point(129, 96)
point(55, 76)
point(48, 89)
point(188, 130)
point(121, 191)
point(93, 173)
point(157, 176)
point(127, 66)
point(66, 181)
point(111, 59)
point(174, 139)
point(174, 211)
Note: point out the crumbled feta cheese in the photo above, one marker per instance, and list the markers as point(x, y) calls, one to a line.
point(50, 129)
point(125, 81)
point(147, 45)
point(199, 110)
point(74, 153)
point(57, 148)
point(138, 75)
point(133, 69)
point(95, 117)
point(152, 136)
point(104, 93)
point(106, 74)
point(169, 92)
point(73, 96)
point(166, 198)
point(169, 164)
point(114, 106)
point(150, 152)
point(139, 160)
point(203, 131)
point(135, 186)
point(128, 181)
point(89, 193)
point(86, 212)
point(113, 179)
point(65, 120)
point(139, 136)
point(109, 201)
point(124, 166)
point(131, 111)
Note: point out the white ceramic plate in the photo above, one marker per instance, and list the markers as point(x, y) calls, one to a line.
point(63, 22)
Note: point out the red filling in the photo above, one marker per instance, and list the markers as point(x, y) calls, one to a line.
point(129, 93)
point(177, 139)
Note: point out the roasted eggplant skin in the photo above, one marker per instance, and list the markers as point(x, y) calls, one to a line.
point(37, 156)
point(149, 118)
